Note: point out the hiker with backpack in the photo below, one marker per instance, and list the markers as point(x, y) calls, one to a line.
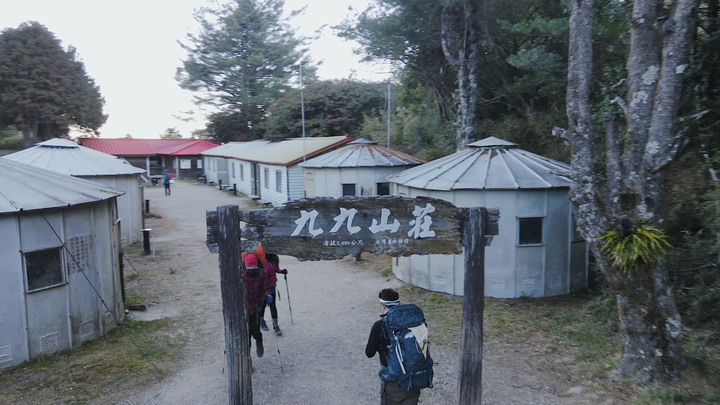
point(400, 340)
point(272, 268)
point(257, 290)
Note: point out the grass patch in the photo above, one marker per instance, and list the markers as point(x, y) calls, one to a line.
point(564, 325)
point(81, 375)
point(131, 299)
point(700, 383)
point(443, 313)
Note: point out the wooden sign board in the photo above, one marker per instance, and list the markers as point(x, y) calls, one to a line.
point(330, 228)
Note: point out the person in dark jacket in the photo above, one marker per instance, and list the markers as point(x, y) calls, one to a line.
point(257, 290)
point(378, 342)
point(272, 268)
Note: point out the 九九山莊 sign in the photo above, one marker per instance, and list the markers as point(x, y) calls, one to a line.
point(328, 228)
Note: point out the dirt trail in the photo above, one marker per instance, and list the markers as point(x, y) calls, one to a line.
point(334, 303)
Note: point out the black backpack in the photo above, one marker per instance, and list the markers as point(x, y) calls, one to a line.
point(409, 361)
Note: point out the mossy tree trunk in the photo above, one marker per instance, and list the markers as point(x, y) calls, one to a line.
point(635, 157)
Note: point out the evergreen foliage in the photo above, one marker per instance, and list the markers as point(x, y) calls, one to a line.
point(44, 89)
point(332, 108)
point(242, 60)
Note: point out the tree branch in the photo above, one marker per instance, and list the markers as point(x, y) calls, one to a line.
point(561, 133)
point(622, 104)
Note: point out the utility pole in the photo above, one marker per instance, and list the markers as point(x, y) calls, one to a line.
point(302, 108)
point(388, 114)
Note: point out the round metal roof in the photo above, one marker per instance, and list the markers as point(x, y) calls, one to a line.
point(362, 153)
point(67, 157)
point(28, 188)
point(489, 164)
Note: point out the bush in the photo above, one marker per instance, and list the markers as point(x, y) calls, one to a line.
point(11, 139)
point(700, 306)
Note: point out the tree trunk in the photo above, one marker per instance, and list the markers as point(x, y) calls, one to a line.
point(634, 162)
point(652, 350)
point(460, 47)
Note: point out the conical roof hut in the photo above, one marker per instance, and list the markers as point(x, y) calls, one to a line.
point(67, 157)
point(60, 277)
point(359, 168)
point(488, 164)
point(537, 253)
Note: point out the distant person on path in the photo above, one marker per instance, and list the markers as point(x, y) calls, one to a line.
point(167, 179)
point(272, 268)
point(378, 342)
point(257, 289)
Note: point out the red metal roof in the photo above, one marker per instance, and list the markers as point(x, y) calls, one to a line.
point(146, 147)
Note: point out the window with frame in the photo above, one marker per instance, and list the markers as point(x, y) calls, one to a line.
point(278, 181)
point(383, 188)
point(43, 268)
point(348, 189)
point(266, 174)
point(185, 163)
point(530, 231)
point(199, 163)
point(232, 168)
point(242, 172)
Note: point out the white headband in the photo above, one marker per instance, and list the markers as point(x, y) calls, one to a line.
point(389, 303)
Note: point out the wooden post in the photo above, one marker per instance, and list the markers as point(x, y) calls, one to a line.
point(234, 304)
point(470, 378)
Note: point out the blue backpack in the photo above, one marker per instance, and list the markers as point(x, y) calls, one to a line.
point(409, 361)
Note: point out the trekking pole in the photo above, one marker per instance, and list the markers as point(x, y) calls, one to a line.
point(278, 350)
point(288, 294)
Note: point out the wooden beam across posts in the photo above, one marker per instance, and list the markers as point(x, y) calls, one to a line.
point(232, 288)
point(329, 228)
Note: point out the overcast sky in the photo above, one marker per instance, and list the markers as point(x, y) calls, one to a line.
point(130, 49)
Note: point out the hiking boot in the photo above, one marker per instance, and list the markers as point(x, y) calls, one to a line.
point(259, 348)
point(263, 325)
point(276, 327)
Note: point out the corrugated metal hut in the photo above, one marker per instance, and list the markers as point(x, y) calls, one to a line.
point(359, 168)
point(66, 157)
point(59, 245)
point(537, 252)
point(264, 170)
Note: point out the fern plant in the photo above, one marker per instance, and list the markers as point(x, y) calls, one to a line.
point(644, 245)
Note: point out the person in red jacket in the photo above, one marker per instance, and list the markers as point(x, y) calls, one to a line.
point(257, 290)
point(272, 268)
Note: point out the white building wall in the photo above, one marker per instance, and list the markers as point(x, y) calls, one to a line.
point(59, 317)
point(210, 169)
point(510, 270)
point(269, 186)
point(84, 315)
point(130, 204)
point(294, 182)
point(239, 172)
point(327, 182)
point(13, 341)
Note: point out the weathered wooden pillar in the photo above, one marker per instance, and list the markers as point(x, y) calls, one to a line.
point(232, 288)
point(470, 378)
